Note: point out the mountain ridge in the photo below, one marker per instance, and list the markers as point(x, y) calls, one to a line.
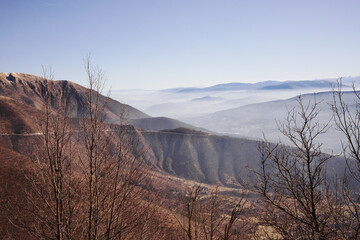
point(181, 152)
point(31, 89)
point(256, 119)
point(263, 85)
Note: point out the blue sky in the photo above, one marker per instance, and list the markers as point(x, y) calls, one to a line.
point(155, 44)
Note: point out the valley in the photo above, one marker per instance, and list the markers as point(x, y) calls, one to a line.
point(179, 120)
point(206, 157)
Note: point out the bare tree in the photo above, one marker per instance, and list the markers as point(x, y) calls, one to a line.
point(346, 212)
point(235, 230)
point(190, 224)
point(212, 217)
point(291, 180)
point(116, 167)
point(95, 142)
point(348, 122)
point(50, 192)
point(91, 182)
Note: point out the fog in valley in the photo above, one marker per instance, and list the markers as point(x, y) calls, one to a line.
point(249, 111)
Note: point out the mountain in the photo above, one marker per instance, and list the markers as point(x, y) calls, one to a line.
point(351, 80)
point(161, 123)
point(22, 99)
point(13, 165)
point(179, 151)
point(300, 84)
point(180, 156)
point(210, 158)
point(30, 89)
point(182, 103)
point(266, 85)
point(14, 116)
point(203, 157)
point(254, 120)
point(207, 99)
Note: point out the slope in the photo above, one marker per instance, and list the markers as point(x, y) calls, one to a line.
point(181, 152)
point(254, 120)
point(30, 89)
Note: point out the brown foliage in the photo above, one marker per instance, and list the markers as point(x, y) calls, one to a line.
point(89, 182)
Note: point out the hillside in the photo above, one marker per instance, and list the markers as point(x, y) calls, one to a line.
point(183, 103)
point(209, 158)
point(21, 103)
point(182, 152)
point(177, 150)
point(160, 123)
point(202, 157)
point(156, 168)
point(30, 90)
point(12, 175)
point(254, 120)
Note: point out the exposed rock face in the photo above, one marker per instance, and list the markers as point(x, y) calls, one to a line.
point(11, 78)
point(31, 90)
point(202, 157)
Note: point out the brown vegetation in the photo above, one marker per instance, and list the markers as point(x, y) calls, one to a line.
point(78, 170)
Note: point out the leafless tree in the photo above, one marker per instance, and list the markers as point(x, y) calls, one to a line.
point(346, 212)
point(95, 141)
point(237, 230)
point(88, 182)
point(50, 192)
point(212, 217)
point(190, 224)
point(291, 180)
point(116, 167)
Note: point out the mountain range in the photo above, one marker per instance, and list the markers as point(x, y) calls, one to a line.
point(182, 103)
point(179, 149)
point(180, 154)
point(256, 120)
point(266, 85)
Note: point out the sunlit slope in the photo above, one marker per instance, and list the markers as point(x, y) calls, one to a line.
point(30, 90)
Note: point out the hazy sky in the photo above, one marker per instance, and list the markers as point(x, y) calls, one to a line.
point(156, 44)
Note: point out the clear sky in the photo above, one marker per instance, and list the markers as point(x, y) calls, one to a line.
point(155, 44)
